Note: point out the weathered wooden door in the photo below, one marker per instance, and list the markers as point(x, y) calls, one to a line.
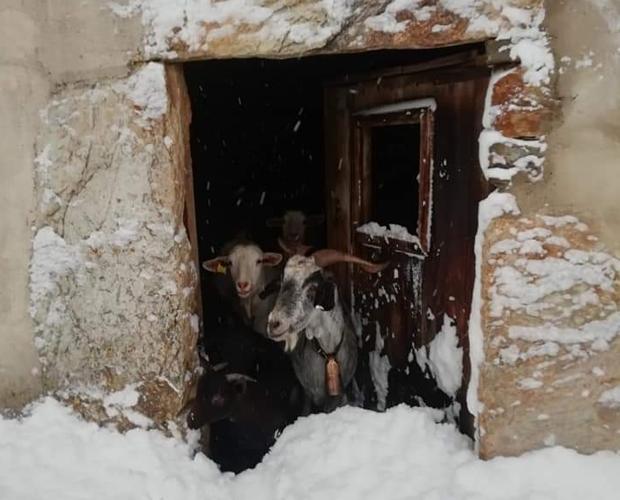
point(403, 184)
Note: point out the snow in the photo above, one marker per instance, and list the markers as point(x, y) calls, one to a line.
point(489, 137)
point(495, 205)
point(490, 111)
point(195, 23)
point(146, 88)
point(379, 365)
point(348, 454)
point(426, 103)
point(611, 398)
point(395, 231)
point(386, 22)
point(599, 330)
point(52, 260)
point(529, 383)
point(446, 358)
point(125, 398)
point(528, 282)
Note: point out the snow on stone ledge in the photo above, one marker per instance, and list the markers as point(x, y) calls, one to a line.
point(146, 88)
point(522, 26)
point(495, 205)
point(196, 24)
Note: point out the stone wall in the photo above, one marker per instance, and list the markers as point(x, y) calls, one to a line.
point(551, 325)
point(550, 284)
point(176, 30)
point(112, 281)
point(112, 287)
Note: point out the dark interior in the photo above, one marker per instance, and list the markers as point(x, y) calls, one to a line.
point(395, 156)
point(257, 146)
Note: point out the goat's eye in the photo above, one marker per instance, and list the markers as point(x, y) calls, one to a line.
point(312, 290)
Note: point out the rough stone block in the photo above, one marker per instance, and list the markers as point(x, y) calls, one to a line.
point(112, 281)
point(551, 322)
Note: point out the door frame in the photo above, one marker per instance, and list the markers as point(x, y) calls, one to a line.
point(419, 111)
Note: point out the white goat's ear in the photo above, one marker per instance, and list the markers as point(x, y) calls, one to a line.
point(275, 222)
point(217, 265)
point(314, 220)
point(271, 259)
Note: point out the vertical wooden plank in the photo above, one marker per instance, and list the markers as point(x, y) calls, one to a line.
point(177, 89)
point(427, 133)
point(366, 174)
point(338, 180)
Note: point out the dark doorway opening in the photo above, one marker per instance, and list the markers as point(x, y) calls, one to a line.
point(258, 149)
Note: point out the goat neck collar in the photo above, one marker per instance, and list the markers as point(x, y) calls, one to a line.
point(319, 349)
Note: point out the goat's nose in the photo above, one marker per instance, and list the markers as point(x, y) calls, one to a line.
point(274, 324)
point(243, 285)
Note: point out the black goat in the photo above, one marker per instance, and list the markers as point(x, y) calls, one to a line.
point(247, 415)
point(252, 395)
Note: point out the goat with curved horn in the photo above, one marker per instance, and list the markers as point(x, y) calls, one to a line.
point(318, 333)
point(328, 256)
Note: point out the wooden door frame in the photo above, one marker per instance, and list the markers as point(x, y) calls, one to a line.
point(364, 122)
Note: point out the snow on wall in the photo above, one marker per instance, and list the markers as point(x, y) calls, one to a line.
point(539, 278)
point(176, 29)
point(495, 205)
point(551, 322)
point(110, 254)
point(195, 26)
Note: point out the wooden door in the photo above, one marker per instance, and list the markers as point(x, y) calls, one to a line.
point(437, 113)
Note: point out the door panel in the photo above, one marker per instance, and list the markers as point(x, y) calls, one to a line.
point(409, 299)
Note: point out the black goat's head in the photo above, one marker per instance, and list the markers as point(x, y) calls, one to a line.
point(294, 224)
point(216, 396)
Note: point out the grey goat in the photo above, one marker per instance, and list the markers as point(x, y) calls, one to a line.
point(310, 318)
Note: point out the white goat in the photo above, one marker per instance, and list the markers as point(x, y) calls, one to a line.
point(251, 270)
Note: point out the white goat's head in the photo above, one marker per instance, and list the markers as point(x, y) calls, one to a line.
point(294, 224)
point(245, 262)
point(306, 289)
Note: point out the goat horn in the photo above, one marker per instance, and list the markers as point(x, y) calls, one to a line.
point(328, 256)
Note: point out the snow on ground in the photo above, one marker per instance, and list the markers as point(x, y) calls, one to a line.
point(349, 454)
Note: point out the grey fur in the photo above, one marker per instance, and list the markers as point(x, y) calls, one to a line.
point(296, 319)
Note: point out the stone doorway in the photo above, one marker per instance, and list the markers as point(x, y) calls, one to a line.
point(261, 133)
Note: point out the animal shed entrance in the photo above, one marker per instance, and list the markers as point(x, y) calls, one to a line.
point(352, 138)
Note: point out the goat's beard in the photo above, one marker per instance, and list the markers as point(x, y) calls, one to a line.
point(290, 341)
